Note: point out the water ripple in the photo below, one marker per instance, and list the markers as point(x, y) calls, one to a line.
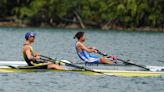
point(141, 48)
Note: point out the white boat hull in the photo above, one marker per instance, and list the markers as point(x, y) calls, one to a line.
point(114, 70)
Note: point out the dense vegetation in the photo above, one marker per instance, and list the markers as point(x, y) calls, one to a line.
point(93, 13)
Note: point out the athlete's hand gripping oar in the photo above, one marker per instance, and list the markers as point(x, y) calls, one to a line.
point(127, 62)
point(73, 65)
point(130, 63)
point(47, 59)
point(103, 54)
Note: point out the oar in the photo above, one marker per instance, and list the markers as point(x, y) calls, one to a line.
point(73, 65)
point(130, 63)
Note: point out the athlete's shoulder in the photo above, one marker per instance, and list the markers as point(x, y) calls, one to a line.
point(79, 44)
point(26, 47)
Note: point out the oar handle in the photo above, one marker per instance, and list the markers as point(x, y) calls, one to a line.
point(45, 57)
point(103, 54)
point(99, 52)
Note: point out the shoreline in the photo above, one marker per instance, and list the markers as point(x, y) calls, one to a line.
point(78, 26)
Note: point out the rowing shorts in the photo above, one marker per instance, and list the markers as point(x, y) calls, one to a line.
point(40, 65)
point(93, 59)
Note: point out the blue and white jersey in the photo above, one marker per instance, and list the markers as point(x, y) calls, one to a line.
point(86, 57)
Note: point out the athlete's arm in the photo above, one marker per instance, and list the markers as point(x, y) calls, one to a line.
point(91, 47)
point(82, 46)
point(29, 55)
point(36, 54)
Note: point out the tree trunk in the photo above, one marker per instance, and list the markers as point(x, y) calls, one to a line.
point(80, 20)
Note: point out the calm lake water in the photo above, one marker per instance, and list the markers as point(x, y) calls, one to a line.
point(140, 47)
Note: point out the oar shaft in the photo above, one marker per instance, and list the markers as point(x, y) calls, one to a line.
point(141, 66)
point(84, 68)
point(99, 52)
point(73, 65)
point(45, 57)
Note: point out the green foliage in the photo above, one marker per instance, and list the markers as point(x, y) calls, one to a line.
point(128, 13)
point(30, 9)
point(3, 4)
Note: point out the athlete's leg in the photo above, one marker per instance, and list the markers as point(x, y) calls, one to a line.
point(105, 60)
point(54, 66)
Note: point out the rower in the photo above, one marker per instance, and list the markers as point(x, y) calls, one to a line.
point(84, 52)
point(32, 58)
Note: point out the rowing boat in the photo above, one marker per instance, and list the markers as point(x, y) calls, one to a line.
point(106, 72)
point(113, 70)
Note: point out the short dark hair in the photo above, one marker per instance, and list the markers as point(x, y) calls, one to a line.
point(78, 35)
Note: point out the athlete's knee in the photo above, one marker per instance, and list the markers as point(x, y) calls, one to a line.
point(54, 66)
point(102, 60)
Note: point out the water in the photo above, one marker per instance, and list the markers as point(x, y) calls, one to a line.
point(140, 47)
